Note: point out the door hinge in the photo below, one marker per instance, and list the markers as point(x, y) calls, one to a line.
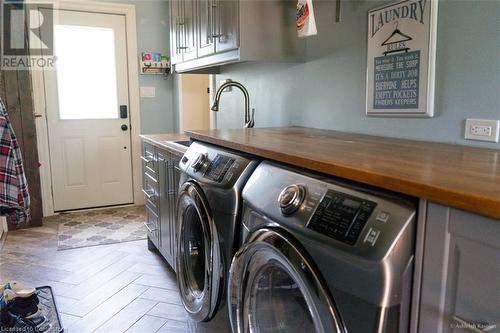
point(208, 90)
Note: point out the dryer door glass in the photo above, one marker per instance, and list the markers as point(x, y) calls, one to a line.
point(274, 287)
point(198, 254)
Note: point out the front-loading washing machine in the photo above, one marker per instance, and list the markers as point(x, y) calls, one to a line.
point(208, 227)
point(321, 255)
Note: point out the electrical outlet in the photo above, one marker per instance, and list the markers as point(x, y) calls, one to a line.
point(482, 129)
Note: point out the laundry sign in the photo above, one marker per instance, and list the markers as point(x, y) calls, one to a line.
point(401, 59)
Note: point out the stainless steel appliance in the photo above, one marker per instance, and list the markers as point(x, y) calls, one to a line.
point(320, 255)
point(208, 226)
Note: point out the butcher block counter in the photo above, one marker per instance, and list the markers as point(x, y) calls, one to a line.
point(457, 176)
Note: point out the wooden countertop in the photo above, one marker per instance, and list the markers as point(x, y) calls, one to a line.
point(167, 141)
point(452, 175)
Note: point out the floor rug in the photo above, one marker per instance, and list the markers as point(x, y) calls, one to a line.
point(99, 227)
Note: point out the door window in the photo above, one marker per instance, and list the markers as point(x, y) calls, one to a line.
point(86, 72)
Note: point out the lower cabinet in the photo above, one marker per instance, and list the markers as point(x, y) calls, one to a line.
point(161, 201)
point(461, 272)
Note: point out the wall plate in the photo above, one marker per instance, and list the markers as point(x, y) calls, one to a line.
point(482, 130)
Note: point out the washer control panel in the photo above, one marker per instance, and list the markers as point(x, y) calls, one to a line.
point(214, 165)
point(364, 221)
point(341, 216)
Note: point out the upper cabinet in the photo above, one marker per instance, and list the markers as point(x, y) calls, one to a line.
point(205, 34)
point(182, 30)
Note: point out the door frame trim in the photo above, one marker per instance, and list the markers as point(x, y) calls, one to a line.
point(134, 102)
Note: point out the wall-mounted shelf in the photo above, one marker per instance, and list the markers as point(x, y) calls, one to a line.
point(154, 63)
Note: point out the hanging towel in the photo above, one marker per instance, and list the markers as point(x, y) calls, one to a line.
point(306, 23)
point(14, 195)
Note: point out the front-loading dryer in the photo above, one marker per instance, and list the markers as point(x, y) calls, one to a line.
point(208, 227)
point(321, 255)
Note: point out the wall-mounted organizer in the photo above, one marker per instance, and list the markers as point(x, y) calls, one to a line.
point(154, 63)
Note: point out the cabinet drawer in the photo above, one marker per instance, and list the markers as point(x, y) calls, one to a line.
point(152, 225)
point(149, 163)
point(150, 190)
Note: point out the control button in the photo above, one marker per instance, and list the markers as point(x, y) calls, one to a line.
point(184, 160)
point(199, 161)
point(372, 236)
point(383, 216)
point(291, 198)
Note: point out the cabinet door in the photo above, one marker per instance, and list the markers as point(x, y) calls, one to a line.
point(176, 18)
point(204, 39)
point(164, 169)
point(461, 272)
point(187, 27)
point(226, 22)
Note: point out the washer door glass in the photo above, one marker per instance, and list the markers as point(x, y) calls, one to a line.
point(277, 304)
point(275, 288)
point(193, 244)
point(198, 254)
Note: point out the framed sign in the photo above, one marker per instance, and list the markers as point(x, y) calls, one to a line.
point(401, 59)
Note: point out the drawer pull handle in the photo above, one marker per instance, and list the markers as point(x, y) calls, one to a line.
point(473, 326)
point(149, 193)
point(148, 159)
point(149, 229)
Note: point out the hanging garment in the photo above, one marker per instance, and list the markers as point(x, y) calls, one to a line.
point(14, 195)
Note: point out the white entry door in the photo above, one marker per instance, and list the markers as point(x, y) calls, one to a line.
point(89, 138)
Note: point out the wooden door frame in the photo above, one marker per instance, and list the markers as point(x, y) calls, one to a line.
point(134, 102)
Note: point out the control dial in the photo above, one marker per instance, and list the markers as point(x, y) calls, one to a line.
point(199, 162)
point(291, 198)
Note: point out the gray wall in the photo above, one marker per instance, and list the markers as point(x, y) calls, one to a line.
point(157, 114)
point(328, 90)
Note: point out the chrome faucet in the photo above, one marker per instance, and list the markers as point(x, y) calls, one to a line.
point(249, 122)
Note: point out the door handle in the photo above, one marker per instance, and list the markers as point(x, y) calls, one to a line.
point(124, 127)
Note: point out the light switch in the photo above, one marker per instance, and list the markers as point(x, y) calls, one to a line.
point(148, 92)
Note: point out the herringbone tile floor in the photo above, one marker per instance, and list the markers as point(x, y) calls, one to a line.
point(110, 288)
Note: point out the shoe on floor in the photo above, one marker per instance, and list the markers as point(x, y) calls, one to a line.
point(21, 306)
point(10, 322)
point(18, 288)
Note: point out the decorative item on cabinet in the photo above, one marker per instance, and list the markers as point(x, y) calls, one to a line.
point(155, 63)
